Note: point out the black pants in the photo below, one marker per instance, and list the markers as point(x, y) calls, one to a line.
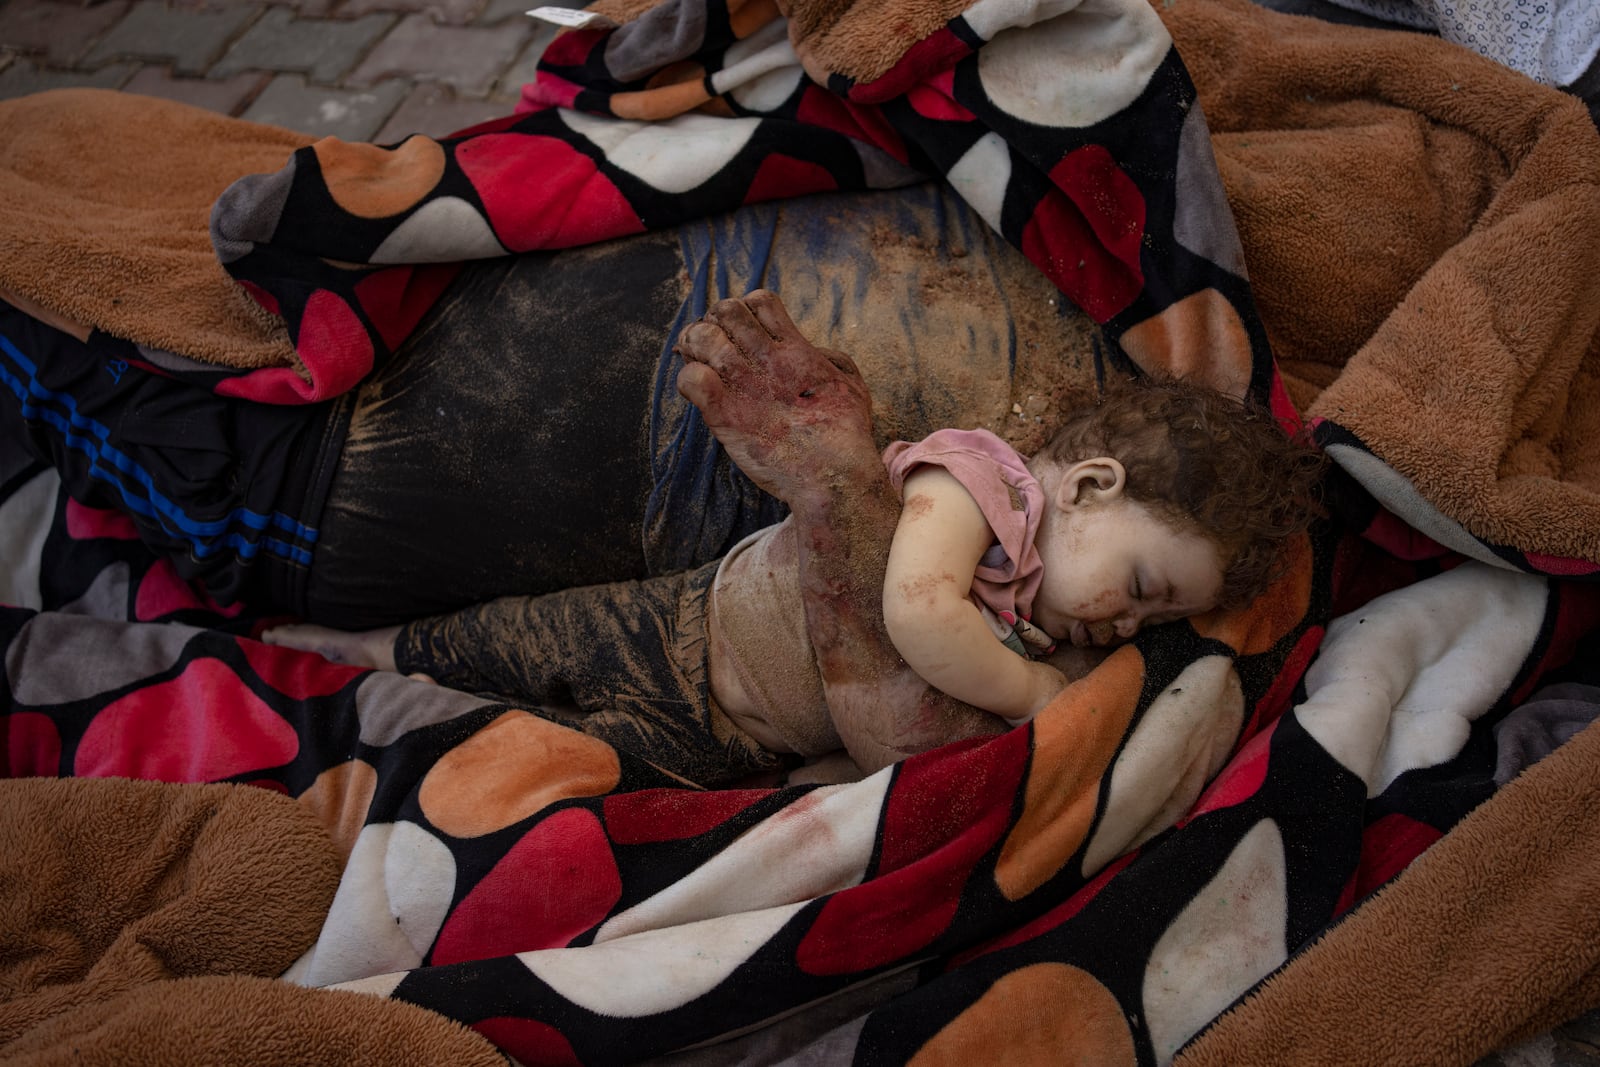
point(517, 443)
point(504, 449)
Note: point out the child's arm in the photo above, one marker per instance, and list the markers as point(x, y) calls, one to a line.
point(938, 631)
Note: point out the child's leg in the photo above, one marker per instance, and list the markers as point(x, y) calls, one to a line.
point(632, 656)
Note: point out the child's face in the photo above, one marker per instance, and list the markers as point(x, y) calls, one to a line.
point(1111, 567)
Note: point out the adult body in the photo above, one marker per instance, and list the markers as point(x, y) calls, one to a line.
point(529, 430)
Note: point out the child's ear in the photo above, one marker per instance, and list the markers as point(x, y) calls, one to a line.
point(1102, 478)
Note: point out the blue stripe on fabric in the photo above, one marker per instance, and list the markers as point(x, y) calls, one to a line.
point(90, 437)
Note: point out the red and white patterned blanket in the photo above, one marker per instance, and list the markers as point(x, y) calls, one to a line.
point(1102, 882)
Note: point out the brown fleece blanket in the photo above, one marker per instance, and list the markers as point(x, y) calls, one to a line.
point(146, 923)
point(104, 199)
point(1420, 226)
point(1481, 938)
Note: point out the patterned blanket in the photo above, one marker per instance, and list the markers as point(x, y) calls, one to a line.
point(1171, 830)
point(1098, 885)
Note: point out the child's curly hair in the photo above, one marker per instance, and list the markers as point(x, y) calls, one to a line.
point(1202, 460)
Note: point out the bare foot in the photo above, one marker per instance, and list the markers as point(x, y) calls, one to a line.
point(370, 648)
point(791, 415)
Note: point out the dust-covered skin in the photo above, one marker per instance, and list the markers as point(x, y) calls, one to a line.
point(797, 420)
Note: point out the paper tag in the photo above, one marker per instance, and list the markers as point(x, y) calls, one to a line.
point(576, 20)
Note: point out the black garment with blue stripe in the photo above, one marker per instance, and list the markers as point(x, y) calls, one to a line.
point(230, 491)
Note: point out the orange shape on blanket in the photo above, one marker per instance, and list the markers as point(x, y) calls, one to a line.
point(1200, 337)
point(339, 798)
point(1254, 629)
point(515, 766)
point(1074, 740)
point(374, 183)
point(745, 18)
point(663, 101)
point(1046, 1013)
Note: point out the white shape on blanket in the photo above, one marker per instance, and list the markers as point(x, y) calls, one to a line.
point(442, 231)
point(1398, 683)
point(25, 520)
point(1081, 67)
point(657, 970)
point(1226, 939)
point(389, 705)
point(57, 658)
point(1400, 495)
point(981, 176)
point(1178, 746)
point(392, 900)
point(673, 156)
point(761, 71)
point(819, 844)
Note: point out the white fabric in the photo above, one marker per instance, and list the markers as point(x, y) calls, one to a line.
point(1551, 41)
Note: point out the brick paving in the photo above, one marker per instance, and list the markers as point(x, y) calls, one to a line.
point(362, 70)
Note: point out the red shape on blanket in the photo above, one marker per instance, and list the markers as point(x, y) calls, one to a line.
point(577, 204)
point(395, 299)
point(85, 523)
point(547, 91)
point(529, 1040)
point(205, 725)
point(818, 107)
point(162, 592)
point(939, 51)
point(936, 99)
point(780, 176)
point(335, 347)
point(646, 816)
point(1240, 780)
point(572, 48)
point(261, 296)
point(1561, 565)
point(1387, 847)
point(552, 885)
point(945, 810)
point(297, 675)
point(1086, 238)
point(32, 745)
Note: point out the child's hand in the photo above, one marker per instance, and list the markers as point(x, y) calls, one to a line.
point(1044, 682)
point(371, 648)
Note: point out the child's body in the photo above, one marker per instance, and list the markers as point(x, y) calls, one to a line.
point(711, 675)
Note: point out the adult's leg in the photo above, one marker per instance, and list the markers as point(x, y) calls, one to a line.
point(797, 419)
point(531, 428)
point(503, 450)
